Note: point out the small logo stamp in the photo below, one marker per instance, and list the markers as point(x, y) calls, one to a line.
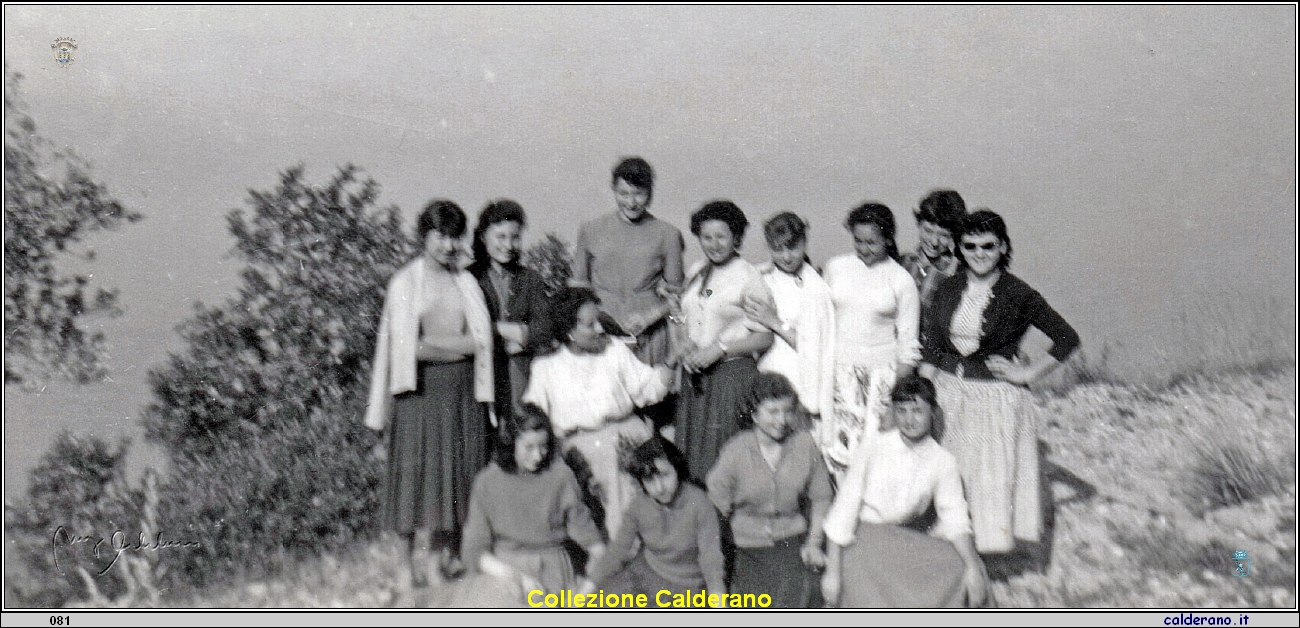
point(1242, 562)
point(63, 48)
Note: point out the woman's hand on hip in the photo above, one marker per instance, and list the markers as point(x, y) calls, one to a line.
point(1011, 371)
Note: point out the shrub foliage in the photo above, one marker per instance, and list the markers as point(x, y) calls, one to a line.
point(260, 414)
point(51, 203)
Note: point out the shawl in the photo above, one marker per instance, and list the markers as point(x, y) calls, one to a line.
point(395, 367)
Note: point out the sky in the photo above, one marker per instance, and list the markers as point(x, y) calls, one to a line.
point(1144, 157)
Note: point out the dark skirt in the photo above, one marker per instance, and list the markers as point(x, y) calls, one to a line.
point(709, 410)
point(778, 571)
point(437, 444)
point(895, 567)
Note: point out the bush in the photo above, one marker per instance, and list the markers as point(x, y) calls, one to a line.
point(551, 259)
point(260, 415)
point(300, 490)
point(80, 486)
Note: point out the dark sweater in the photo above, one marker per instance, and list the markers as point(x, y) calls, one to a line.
point(1013, 308)
point(528, 304)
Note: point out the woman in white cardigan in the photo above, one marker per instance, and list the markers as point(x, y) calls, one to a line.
point(801, 317)
point(432, 375)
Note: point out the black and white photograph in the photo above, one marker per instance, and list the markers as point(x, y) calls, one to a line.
point(720, 308)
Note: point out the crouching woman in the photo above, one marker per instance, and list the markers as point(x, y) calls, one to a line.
point(875, 559)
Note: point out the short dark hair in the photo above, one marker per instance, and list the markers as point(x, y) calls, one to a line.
point(525, 419)
point(980, 222)
point(443, 216)
point(944, 208)
point(641, 464)
point(725, 211)
point(502, 210)
point(637, 172)
point(565, 306)
point(882, 217)
point(914, 387)
point(768, 386)
point(785, 229)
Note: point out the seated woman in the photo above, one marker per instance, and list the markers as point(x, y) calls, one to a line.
point(590, 387)
point(760, 483)
point(523, 507)
point(677, 530)
point(873, 560)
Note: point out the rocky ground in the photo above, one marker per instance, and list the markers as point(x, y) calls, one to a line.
point(1143, 489)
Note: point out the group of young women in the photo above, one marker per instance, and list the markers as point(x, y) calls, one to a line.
point(878, 391)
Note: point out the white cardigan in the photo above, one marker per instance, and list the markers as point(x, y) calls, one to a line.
point(394, 370)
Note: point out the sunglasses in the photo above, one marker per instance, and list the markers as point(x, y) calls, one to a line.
point(987, 246)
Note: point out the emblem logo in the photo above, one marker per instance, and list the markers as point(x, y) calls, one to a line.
point(63, 48)
point(1242, 564)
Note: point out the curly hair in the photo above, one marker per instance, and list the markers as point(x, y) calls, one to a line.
point(785, 230)
point(944, 208)
point(769, 386)
point(725, 211)
point(564, 309)
point(642, 463)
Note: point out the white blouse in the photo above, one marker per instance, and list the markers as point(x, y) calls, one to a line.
point(891, 481)
point(717, 314)
point(877, 312)
point(804, 306)
point(581, 391)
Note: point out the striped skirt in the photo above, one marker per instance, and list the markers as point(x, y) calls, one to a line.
point(989, 426)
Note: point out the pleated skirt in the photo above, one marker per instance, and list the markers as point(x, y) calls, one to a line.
point(895, 567)
point(990, 427)
point(437, 445)
point(709, 409)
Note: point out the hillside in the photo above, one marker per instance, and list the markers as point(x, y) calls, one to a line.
point(1144, 485)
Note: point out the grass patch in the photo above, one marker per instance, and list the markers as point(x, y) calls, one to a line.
point(1229, 475)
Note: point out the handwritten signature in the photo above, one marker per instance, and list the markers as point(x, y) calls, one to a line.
point(117, 543)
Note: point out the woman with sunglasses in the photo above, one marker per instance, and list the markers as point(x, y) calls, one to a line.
point(972, 339)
